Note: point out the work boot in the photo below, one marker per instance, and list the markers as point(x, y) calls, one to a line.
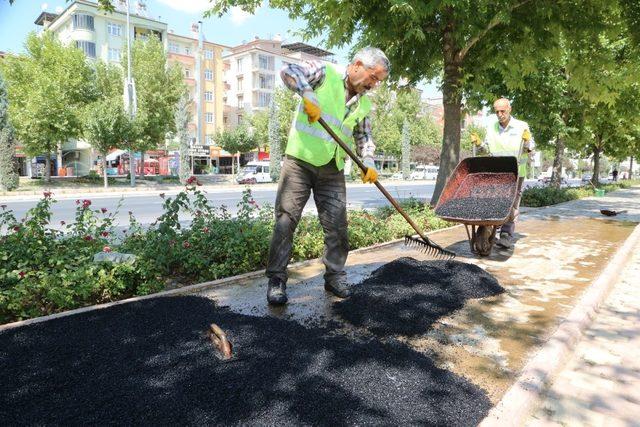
point(277, 292)
point(505, 241)
point(338, 286)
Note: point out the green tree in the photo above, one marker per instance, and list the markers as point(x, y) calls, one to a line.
point(238, 140)
point(182, 119)
point(105, 124)
point(159, 86)
point(48, 88)
point(8, 176)
point(452, 40)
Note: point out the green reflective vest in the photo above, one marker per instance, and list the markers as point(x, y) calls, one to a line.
point(509, 143)
point(309, 141)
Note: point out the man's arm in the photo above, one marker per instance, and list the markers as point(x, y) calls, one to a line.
point(365, 147)
point(302, 78)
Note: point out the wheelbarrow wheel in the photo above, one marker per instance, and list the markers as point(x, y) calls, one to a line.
point(483, 240)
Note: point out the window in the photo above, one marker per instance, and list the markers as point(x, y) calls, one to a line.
point(89, 48)
point(82, 22)
point(225, 119)
point(208, 117)
point(187, 50)
point(240, 80)
point(174, 48)
point(240, 101)
point(266, 62)
point(187, 73)
point(266, 81)
point(264, 99)
point(239, 65)
point(208, 74)
point(209, 139)
point(114, 29)
point(114, 55)
point(208, 96)
point(239, 119)
point(208, 54)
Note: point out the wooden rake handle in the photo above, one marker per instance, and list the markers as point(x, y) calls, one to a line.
point(363, 168)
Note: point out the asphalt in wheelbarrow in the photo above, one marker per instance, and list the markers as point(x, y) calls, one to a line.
point(150, 363)
point(405, 297)
point(473, 208)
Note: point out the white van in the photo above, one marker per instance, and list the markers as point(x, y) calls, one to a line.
point(254, 172)
point(429, 172)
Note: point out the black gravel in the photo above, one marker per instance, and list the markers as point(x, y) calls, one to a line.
point(405, 297)
point(470, 208)
point(149, 363)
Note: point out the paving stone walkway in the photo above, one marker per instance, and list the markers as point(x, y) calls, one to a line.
point(600, 386)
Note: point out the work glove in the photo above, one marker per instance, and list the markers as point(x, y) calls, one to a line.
point(310, 106)
point(475, 139)
point(526, 137)
point(371, 175)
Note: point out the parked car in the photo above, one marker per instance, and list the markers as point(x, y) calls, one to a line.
point(547, 179)
point(254, 172)
point(397, 175)
point(586, 178)
point(425, 172)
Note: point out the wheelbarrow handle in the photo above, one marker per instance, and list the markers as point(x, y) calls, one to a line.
point(364, 168)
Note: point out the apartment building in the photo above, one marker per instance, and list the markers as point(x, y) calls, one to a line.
point(252, 73)
point(102, 36)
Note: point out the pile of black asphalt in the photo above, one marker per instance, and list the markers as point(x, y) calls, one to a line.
point(406, 296)
point(474, 208)
point(150, 363)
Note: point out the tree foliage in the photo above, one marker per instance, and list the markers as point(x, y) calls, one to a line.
point(159, 86)
point(8, 176)
point(48, 88)
point(450, 40)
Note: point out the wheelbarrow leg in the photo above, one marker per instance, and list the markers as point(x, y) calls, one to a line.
point(471, 237)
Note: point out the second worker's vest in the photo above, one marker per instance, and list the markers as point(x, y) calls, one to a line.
point(309, 141)
point(507, 145)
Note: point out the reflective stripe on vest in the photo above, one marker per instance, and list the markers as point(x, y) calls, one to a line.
point(309, 141)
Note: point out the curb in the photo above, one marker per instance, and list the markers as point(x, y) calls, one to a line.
point(198, 287)
point(525, 394)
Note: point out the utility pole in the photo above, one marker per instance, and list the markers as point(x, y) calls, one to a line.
point(130, 101)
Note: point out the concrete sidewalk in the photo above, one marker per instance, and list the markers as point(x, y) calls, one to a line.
point(600, 386)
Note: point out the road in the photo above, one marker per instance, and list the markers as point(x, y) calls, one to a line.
point(146, 207)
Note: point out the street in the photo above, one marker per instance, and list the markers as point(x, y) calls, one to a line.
point(147, 207)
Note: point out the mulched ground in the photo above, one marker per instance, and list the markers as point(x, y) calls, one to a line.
point(150, 363)
point(406, 296)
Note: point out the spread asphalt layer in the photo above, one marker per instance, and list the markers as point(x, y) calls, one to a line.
point(406, 296)
point(150, 363)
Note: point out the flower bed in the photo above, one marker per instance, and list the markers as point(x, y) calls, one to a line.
point(45, 270)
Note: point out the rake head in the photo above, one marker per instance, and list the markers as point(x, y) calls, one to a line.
point(429, 247)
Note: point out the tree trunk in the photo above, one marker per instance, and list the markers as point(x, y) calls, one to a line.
point(556, 175)
point(47, 167)
point(104, 169)
point(596, 166)
point(452, 103)
point(142, 169)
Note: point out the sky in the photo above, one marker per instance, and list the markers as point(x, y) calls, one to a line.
point(16, 21)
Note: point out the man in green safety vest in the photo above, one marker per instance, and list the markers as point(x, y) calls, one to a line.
point(314, 162)
point(508, 136)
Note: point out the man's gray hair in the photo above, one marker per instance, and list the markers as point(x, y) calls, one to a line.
point(372, 56)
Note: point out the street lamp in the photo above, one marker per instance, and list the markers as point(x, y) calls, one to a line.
point(130, 100)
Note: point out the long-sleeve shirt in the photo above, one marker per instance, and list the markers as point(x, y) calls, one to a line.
point(300, 78)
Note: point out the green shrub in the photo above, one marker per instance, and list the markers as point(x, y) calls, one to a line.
point(545, 196)
point(45, 270)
